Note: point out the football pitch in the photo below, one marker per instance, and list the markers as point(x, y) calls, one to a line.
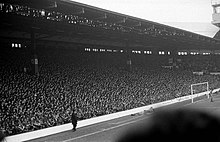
point(110, 131)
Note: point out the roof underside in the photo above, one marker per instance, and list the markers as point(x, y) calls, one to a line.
point(68, 21)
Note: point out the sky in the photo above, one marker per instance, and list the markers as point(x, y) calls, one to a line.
point(190, 15)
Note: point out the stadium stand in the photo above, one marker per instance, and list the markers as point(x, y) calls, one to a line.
point(71, 79)
point(90, 81)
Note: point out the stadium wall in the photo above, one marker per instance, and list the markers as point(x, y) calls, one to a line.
point(58, 129)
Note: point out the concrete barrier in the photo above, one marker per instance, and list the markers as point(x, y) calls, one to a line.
point(91, 121)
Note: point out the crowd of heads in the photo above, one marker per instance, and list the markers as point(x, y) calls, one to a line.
point(202, 63)
point(92, 84)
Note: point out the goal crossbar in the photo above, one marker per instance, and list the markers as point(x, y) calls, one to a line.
point(196, 84)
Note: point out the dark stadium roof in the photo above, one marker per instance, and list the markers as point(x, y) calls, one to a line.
point(127, 30)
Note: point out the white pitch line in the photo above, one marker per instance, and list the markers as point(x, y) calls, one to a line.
point(210, 107)
point(103, 130)
point(199, 101)
point(125, 120)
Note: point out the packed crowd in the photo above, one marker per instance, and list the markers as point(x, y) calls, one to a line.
point(92, 84)
point(202, 63)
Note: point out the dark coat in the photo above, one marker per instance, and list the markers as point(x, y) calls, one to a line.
point(74, 118)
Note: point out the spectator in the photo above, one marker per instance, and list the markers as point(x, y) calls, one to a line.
point(74, 120)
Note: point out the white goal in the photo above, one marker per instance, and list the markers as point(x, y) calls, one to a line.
point(198, 88)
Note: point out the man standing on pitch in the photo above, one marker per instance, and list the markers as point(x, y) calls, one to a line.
point(210, 96)
point(74, 120)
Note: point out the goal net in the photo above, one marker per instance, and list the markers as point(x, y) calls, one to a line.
point(197, 89)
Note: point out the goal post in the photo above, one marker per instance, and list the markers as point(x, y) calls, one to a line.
point(198, 88)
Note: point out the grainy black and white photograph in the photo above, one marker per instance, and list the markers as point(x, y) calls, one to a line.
point(109, 70)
